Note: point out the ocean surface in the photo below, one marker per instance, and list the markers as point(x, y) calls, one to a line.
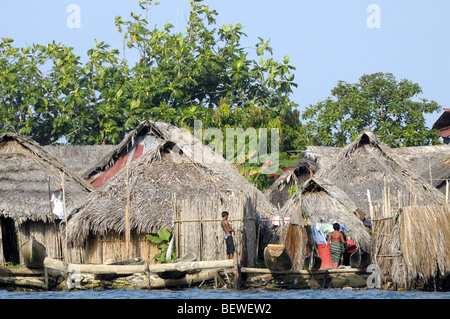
point(196, 293)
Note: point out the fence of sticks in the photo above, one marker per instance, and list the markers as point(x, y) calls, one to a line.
point(410, 243)
point(197, 228)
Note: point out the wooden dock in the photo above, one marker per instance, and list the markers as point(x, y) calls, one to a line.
point(217, 274)
point(22, 278)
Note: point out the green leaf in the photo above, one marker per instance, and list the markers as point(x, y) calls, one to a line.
point(154, 239)
point(164, 234)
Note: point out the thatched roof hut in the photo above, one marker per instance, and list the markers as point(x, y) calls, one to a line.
point(431, 162)
point(202, 181)
point(28, 177)
point(321, 202)
point(144, 137)
point(415, 253)
point(278, 192)
point(367, 164)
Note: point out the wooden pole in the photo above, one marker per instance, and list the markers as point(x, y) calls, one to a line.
point(127, 217)
point(65, 213)
point(176, 225)
point(446, 192)
point(66, 254)
point(370, 205)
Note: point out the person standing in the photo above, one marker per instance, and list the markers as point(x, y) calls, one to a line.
point(228, 237)
point(338, 243)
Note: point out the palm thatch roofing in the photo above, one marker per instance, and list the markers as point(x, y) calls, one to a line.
point(322, 202)
point(80, 158)
point(367, 164)
point(416, 251)
point(278, 192)
point(162, 131)
point(322, 155)
point(431, 162)
point(28, 176)
point(179, 165)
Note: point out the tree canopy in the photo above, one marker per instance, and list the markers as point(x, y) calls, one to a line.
point(377, 102)
point(204, 73)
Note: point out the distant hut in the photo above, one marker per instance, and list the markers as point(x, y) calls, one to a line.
point(29, 175)
point(319, 201)
point(414, 254)
point(442, 124)
point(367, 164)
point(431, 162)
point(181, 185)
point(144, 137)
point(303, 169)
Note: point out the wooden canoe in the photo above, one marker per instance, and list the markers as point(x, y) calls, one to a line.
point(277, 257)
point(312, 262)
point(360, 259)
point(176, 274)
point(131, 261)
point(33, 253)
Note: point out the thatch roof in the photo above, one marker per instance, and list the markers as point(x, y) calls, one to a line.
point(369, 164)
point(322, 155)
point(431, 162)
point(79, 158)
point(278, 192)
point(181, 165)
point(161, 131)
point(24, 172)
point(322, 202)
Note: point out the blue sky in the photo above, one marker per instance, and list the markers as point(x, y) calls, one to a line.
point(327, 40)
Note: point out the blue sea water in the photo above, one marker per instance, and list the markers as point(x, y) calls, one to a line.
point(196, 293)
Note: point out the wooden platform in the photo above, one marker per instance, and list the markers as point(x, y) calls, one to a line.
point(218, 274)
point(304, 279)
point(22, 278)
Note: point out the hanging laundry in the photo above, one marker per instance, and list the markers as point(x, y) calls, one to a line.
point(318, 236)
point(278, 220)
point(324, 228)
point(58, 208)
point(263, 221)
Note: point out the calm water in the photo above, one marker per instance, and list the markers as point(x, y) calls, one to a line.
point(196, 293)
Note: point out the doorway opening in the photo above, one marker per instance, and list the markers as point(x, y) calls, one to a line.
point(9, 240)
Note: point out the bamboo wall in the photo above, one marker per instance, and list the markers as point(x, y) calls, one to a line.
point(112, 248)
point(197, 228)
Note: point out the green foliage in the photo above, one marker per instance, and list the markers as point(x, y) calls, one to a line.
point(378, 102)
point(292, 190)
point(163, 240)
point(202, 73)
